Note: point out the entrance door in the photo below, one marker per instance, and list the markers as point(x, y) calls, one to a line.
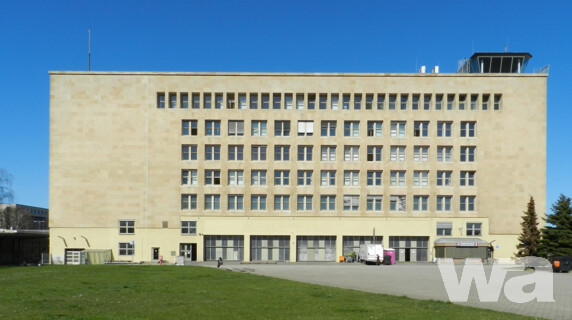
point(155, 253)
point(73, 256)
point(188, 250)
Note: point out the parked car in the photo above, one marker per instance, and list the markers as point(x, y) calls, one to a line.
point(369, 253)
point(561, 264)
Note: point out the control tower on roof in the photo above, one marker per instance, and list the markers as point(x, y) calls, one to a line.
point(495, 62)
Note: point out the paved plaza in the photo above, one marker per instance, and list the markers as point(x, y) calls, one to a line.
point(414, 280)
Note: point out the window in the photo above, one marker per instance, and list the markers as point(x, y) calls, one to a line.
point(196, 99)
point(235, 202)
point(427, 102)
point(397, 178)
point(189, 227)
point(161, 100)
point(420, 203)
point(304, 202)
point(235, 177)
point(126, 226)
point(276, 100)
point(444, 128)
point(467, 203)
point(468, 153)
point(235, 127)
point(305, 177)
point(235, 152)
point(334, 102)
point(328, 128)
point(444, 228)
point(212, 177)
point(374, 202)
point(374, 178)
point(281, 177)
point(404, 99)
point(380, 101)
point(328, 153)
point(219, 103)
point(300, 101)
point(374, 153)
point(351, 202)
point(474, 99)
point(420, 153)
point(282, 128)
point(374, 128)
point(369, 101)
point(357, 101)
point(258, 178)
point(438, 102)
point(188, 202)
point(190, 128)
point(304, 153)
point(421, 129)
point(323, 101)
point(253, 101)
point(207, 99)
point(420, 178)
point(397, 154)
point(397, 203)
point(126, 248)
point(473, 229)
point(281, 202)
point(305, 128)
point(397, 129)
point(172, 100)
point(346, 101)
point(467, 178)
point(258, 153)
point(212, 152)
point(311, 101)
point(462, 101)
point(328, 178)
point(497, 102)
point(351, 153)
point(265, 101)
point(351, 178)
point(242, 101)
point(415, 102)
point(212, 201)
point(351, 128)
point(444, 178)
point(327, 202)
point(258, 128)
point(450, 101)
point(189, 177)
point(258, 202)
point(230, 102)
point(288, 101)
point(392, 100)
point(444, 154)
point(444, 203)
point(468, 128)
point(281, 153)
point(212, 127)
point(189, 152)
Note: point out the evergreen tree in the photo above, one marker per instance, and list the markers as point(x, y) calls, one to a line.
point(530, 236)
point(557, 235)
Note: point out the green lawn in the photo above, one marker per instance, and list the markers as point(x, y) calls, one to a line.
point(170, 292)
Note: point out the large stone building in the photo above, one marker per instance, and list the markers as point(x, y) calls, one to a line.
point(295, 166)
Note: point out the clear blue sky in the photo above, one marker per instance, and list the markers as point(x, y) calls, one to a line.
point(265, 36)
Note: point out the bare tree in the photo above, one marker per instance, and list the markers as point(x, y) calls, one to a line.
point(6, 191)
point(11, 216)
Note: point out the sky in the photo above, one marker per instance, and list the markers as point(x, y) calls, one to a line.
point(265, 36)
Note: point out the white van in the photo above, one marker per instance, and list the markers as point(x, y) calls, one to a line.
point(368, 253)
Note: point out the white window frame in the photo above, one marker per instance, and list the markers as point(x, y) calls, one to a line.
point(304, 202)
point(281, 177)
point(467, 203)
point(281, 202)
point(235, 128)
point(258, 202)
point(468, 129)
point(305, 128)
point(188, 201)
point(189, 177)
point(351, 178)
point(444, 129)
point(351, 202)
point(374, 203)
point(328, 128)
point(397, 178)
point(444, 154)
point(351, 153)
point(235, 202)
point(328, 153)
point(397, 203)
point(236, 177)
point(474, 229)
point(212, 201)
point(259, 152)
point(468, 153)
point(328, 178)
point(281, 153)
point(375, 178)
point(327, 202)
point(258, 178)
point(282, 128)
point(188, 227)
point(397, 129)
point(467, 178)
point(420, 178)
point(236, 152)
point(351, 128)
point(305, 153)
point(444, 178)
point(305, 177)
point(212, 177)
point(420, 153)
point(397, 154)
point(374, 153)
point(420, 203)
point(259, 128)
point(444, 202)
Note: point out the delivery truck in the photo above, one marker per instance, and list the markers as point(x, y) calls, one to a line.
point(369, 253)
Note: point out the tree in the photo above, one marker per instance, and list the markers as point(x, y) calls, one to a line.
point(6, 192)
point(11, 216)
point(557, 235)
point(530, 236)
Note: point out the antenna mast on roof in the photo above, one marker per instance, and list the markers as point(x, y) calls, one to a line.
point(89, 49)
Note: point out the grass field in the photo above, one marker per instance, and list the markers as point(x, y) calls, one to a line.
point(170, 292)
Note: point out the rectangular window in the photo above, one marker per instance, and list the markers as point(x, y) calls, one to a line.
point(374, 202)
point(258, 153)
point(212, 152)
point(305, 153)
point(328, 128)
point(235, 202)
point(369, 101)
point(468, 153)
point(351, 153)
point(397, 129)
point(467, 203)
point(189, 227)
point(415, 102)
point(304, 202)
point(351, 202)
point(288, 101)
point(392, 101)
point(235, 127)
point(438, 101)
point(235, 177)
point(282, 128)
point(300, 101)
point(189, 177)
point(276, 101)
point(474, 101)
point(281, 202)
point(242, 101)
point(305, 177)
point(328, 153)
point(346, 101)
point(189, 152)
point(374, 178)
point(444, 203)
point(444, 128)
point(230, 102)
point(323, 101)
point(265, 101)
point(334, 102)
point(184, 100)
point(468, 128)
point(444, 228)
point(467, 178)
point(212, 201)
point(126, 226)
point(219, 103)
point(397, 203)
point(126, 248)
point(328, 178)
point(462, 101)
point(212, 127)
point(327, 202)
point(212, 177)
point(450, 101)
point(357, 101)
point(380, 101)
point(421, 129)
point(474, 229)
point(172, 100)
point(374, 153)
point(188, 202)
point(160, 100)
point(444, 178)
point(397, 154)
point(397, 178)
point(305, 128)
point(207, 100)
point(427, 102)
point(258, 202)
point(351, 178)
point(235, 152)
point(404, 101)
point(258, 178)
point(196, 99)
point(420, 178)
point(420, 203)
point(374, 128)
point(420, 153)
point(311, 101)
point(497, 101)
point(190, 128)
point(351, 128)
point(444, 154)
point(258, 128)
point(281, 153)
point(281, 177)
point(254, 101)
